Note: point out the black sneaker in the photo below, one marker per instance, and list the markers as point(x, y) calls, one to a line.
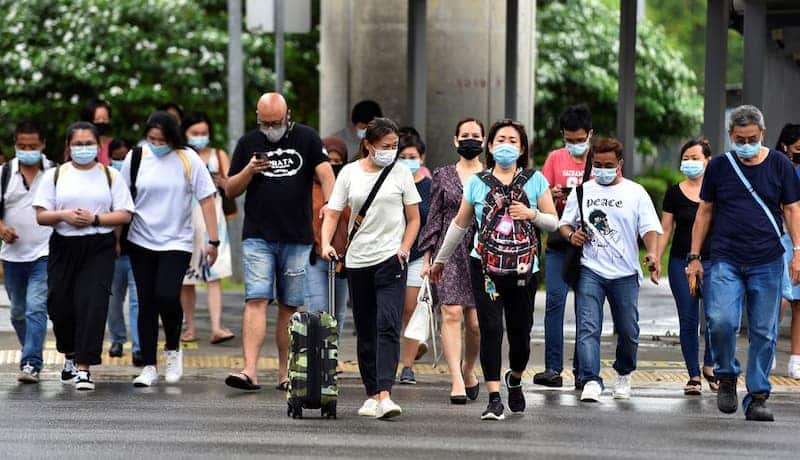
point(548, 378)
point(758, 411)
point(516, 399)
point(727, 399)
point(84, 381)
point(115, 351)
point(407, 376)
point(69, 372)
point(136, 358)
point(494, 411)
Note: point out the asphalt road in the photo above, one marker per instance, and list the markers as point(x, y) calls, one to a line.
point(204, 419)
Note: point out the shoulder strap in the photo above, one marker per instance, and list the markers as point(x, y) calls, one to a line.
point(753, 192)
point(108, 174)
point(488, 178)
point(136, 161)
point(587, 172)
point(370, 198)
point(58, 173)
point(187, 167)
point(5, 177)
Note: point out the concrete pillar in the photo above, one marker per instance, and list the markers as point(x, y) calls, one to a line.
point(717, 17)
point(526, 64)
point(235, 118)
point(512, 26)
point(755, 42)
point(417, 69)
point(334, 65)
point(627, 84)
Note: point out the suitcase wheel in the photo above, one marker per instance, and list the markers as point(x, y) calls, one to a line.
point(295, 410)
point(329, 411)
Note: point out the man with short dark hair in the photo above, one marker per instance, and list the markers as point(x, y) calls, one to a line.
point(616, 213)
point(747, 193)
point(564, 171)
point(26, 247)
point(363, 112)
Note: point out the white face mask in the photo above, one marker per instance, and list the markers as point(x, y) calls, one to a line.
point(383, 158)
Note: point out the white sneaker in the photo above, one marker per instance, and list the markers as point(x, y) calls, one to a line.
point(774, 363)
point(387, 409)
point(369, 408)
point(147, 378)
point(794, 367)
point(622, 387)
point(83, 381)
point(591, 391)
point(174, 360)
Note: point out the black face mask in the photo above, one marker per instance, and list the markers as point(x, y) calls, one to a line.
point(469, 148)
point(796, 158)
point(337, 169)
point(102, 128)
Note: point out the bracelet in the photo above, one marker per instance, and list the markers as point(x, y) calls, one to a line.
point(96, 221)
point(569, 237)
point(214, 243)
point(796, 248)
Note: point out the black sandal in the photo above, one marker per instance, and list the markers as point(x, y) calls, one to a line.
point(459, 400)
point(241, 381)
point(713, 381)
point(283, 386)
point(472, 392)
point(693, 388)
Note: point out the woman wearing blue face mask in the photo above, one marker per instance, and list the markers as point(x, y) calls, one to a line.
point(165, 181)
point(83, 201)
point(196, 127)
point(412, 154)
point(518, 199)
point(680, 207)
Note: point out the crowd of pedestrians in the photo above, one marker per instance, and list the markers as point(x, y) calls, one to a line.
point(148, 221)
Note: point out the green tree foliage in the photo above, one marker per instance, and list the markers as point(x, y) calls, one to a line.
point(577, 62)
point(137, 55)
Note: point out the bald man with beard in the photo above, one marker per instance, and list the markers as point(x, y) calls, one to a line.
point(276, 165)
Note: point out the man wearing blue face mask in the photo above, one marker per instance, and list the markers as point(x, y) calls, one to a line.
point(747, 192)
point(25, 247)
point(616, 213)
point(363, 112)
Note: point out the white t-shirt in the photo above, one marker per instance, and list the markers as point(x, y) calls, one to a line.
point(616, 216)
point(34, 239)
point(382, 229)
point(83, 189)
point(163, 219)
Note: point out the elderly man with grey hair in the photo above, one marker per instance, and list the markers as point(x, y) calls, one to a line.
point(747, 193)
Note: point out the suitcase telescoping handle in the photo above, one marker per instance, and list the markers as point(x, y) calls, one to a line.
point(332, 286)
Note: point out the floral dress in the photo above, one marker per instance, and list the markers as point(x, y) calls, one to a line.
point(446, 192)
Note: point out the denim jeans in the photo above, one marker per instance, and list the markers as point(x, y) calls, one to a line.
point(316, 291)
point(26, 284)
point(123, 281)
point(275, 270)
point(556, 299)
point(761, 284)
point(623, 296)
point(689, 314)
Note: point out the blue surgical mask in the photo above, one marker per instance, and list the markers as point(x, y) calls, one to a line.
point(693, 168)
point(83, 154)
point(745, 151)
point(384, 158)
point(604, 176)
point(117, 164)
point(577, 150)
point(29, 157)
point(412, 164)
point(159, 150)
point(360, 133)
point(198, 142)
point(505, 155)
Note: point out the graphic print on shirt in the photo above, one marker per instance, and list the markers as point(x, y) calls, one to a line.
point(606, 236)
point(283, 163)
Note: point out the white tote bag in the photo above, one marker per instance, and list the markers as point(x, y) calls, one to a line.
point(420, 324)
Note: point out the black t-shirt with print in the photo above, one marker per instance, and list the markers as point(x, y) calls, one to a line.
point(683, 211)
point(277, 206)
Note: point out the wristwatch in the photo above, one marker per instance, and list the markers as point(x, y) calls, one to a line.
point(96, 221)
point(691, 257)
point(214, 243)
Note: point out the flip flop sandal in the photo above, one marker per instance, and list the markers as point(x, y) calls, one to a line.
point(712, 380)
point(693, 388)
point(241, 381)
point(187, 337)
point(283, 386)
point(217, 339)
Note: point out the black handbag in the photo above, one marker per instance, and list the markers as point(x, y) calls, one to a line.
point(571, 269)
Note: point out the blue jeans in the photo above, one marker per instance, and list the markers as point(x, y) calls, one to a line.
point(275, 265)
point(761, 284)
point(123, 280)
point(316, 291)
point(26, 283)
point(556, 299)
point(689, 314)
point(623, 295)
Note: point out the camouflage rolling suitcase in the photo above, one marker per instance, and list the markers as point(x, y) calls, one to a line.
point(313, 357)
